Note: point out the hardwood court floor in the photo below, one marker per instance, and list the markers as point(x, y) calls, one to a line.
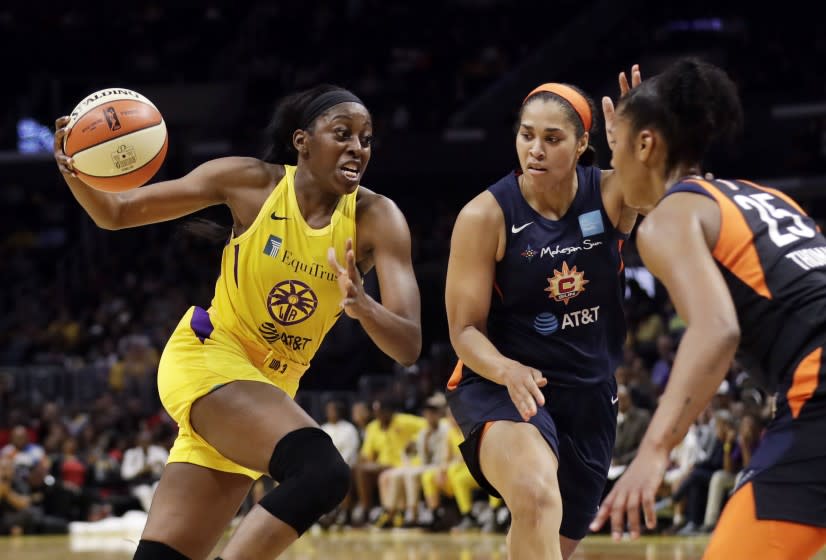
point(361, 545)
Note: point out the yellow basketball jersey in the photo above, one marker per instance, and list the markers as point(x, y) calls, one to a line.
point(276, 291)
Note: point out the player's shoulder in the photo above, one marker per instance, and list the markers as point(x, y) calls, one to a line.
point(372, 206)
point(482, 210)
point(678, 212)
point(367, 199)
point(248, 171)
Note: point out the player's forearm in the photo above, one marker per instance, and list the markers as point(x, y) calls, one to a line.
point(102, 207)
point(479, 354)
point(701, 364)
point(398, 337)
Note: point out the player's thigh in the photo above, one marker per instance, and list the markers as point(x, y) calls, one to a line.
point(193, 506)
point(516, 458)
point(244, 420)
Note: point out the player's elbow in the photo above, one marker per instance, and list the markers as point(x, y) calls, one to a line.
point(460, 331)
point(107, 223)
point(407, 362)
point(109, 218)
point(726, 331)
point(410, 354)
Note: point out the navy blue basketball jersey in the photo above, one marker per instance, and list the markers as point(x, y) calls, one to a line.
point(773, 259)
point(557, 301)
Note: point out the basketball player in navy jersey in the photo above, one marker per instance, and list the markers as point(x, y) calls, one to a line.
point(534, 304)
point(746, 268)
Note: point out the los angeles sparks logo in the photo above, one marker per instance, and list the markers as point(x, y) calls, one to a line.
point(567, 284)
point(291, 302)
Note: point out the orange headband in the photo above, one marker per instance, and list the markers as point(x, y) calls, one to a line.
point(572, 96)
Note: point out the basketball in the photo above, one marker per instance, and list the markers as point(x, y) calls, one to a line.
point(117, 139)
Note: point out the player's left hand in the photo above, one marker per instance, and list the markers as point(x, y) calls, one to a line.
point(608, 103)
point(637, 487)
point(355, 300)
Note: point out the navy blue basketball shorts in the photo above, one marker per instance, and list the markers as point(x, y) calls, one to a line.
point(788, 469)
point(579, 423)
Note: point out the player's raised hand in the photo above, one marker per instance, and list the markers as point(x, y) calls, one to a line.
point(524, 384)
point(608, 104)
point(354, 299)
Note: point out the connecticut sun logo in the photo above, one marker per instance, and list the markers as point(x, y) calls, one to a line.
point(566, 284)
point(291, 302)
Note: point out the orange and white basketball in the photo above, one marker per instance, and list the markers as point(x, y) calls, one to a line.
point(117, 139)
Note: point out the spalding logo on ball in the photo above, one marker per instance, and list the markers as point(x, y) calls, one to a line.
point(117, 139)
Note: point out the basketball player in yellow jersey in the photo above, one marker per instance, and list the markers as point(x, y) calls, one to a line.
point(228, 373)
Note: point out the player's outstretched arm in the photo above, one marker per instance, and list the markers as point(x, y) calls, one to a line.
point(674, 245)
point(206, 185)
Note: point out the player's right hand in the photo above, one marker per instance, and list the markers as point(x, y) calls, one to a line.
point(64, 162)
point(608, 103)
point(524, 384)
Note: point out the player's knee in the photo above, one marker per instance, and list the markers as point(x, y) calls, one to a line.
point(331, 479)
point(313, 478)
point(534, 499)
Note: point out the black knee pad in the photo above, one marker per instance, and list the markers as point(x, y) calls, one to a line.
point(312, 478)
point(154, 550)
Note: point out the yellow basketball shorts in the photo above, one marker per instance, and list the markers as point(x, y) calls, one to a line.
point(197, 359)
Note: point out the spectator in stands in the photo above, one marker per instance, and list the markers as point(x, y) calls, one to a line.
point(343, 433)
point(52, 503)
point(13, 501)
point(643, 390)
point(695, 487)
point(19, 506)
point(631, 425)
point(400, 486)
point(452, 478)
point(72, 492)
point(361, 416)
point(661, 369)
point(346, 438)
point(23, 453)
point(682, 460)
point(142, 467)
point(50, 415)
point(648, 329)
point(385, 441)
point(135, 371)
point(738, 450)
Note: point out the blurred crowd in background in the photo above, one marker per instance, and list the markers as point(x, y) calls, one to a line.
point(83, 435)
point(84, 314)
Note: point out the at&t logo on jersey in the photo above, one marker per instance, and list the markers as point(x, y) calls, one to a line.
point(291, 301)
point(566, 284)
point(582, 317)
point(546, 323)
point(272, 335)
